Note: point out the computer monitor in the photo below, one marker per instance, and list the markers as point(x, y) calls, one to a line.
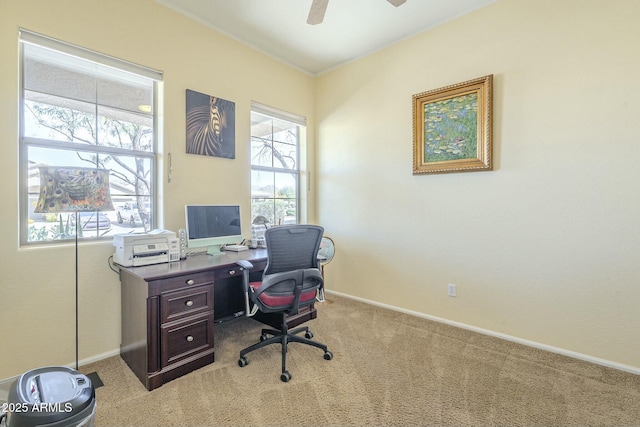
point(212, 226)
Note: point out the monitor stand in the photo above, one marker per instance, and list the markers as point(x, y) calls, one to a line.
point(214, 250)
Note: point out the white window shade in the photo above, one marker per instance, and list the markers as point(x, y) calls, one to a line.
point(118, 65)
point(278, 114)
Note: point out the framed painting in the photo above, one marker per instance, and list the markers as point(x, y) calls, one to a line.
point(452, 128)
point(211, 125)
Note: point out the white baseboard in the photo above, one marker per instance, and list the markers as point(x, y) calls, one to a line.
point(96, 358)
point(534, 344)
point(562, 351)
point(71, 365)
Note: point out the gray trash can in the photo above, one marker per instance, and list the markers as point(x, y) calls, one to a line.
point(54, 396)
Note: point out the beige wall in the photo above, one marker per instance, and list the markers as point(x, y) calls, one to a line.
point(542, 249)
point(37, 285)
point(545, 247)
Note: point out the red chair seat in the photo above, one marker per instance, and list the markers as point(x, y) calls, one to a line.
point(280, 301)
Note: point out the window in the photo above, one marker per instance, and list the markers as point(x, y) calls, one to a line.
point(80, 108)
point(275, 164)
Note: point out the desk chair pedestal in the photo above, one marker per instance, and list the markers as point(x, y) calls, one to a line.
point(274, 320)
point(283, 337)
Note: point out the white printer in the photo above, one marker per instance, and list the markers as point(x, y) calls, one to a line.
point(154, 247)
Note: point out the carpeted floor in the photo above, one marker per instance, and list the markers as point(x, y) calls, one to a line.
point(389, 369)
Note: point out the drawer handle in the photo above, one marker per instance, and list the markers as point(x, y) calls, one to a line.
point(188, 303)
point(190, 282)
point(189, 338)
point(232, 272)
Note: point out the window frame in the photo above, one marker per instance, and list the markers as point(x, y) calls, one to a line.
point(300, 122)
point(25, 143)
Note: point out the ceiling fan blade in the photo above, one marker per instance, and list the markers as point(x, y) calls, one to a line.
point(396, 3)
point(316, 13)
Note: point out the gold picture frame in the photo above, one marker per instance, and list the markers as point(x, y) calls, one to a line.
point(452, 128)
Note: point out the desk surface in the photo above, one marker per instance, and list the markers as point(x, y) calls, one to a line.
point(195, 263)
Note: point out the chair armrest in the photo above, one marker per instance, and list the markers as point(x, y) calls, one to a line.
point(245, 266)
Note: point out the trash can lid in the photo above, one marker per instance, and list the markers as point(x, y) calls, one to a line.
point(50, 394)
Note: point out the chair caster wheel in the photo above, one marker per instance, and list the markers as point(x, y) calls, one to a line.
point(263, 337)
point(308, 335)
point(243, 361)
point(285, 376)
point(328, 355)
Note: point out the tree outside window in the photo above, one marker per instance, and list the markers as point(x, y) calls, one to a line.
point(275, 168)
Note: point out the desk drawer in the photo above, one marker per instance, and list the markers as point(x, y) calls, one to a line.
point(176, 283)
point(181, 340)
point(227, 272)
point(187, 302)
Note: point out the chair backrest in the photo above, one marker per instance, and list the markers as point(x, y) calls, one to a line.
point(292, 247)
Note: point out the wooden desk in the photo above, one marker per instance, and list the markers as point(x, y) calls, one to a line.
point(169, 311)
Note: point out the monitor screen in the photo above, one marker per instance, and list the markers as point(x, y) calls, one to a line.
point(212, 226)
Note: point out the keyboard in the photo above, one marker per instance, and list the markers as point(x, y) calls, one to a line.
point(236, 248)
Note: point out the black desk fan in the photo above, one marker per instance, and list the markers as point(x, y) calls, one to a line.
point(325, 255)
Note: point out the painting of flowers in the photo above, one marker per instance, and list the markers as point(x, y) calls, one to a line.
point(452, 128)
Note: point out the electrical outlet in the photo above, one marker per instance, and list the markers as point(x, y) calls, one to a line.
point(451, 290)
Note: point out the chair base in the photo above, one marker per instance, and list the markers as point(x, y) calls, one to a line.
point(284, 337)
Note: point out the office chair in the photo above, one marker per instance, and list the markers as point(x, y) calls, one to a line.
point(290, 281)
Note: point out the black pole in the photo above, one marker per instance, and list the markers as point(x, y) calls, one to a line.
point(77, 223)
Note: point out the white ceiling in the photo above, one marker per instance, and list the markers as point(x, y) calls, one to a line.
point(351, 28)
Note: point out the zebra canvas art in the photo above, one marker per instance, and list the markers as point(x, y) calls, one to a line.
point(211, 129)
